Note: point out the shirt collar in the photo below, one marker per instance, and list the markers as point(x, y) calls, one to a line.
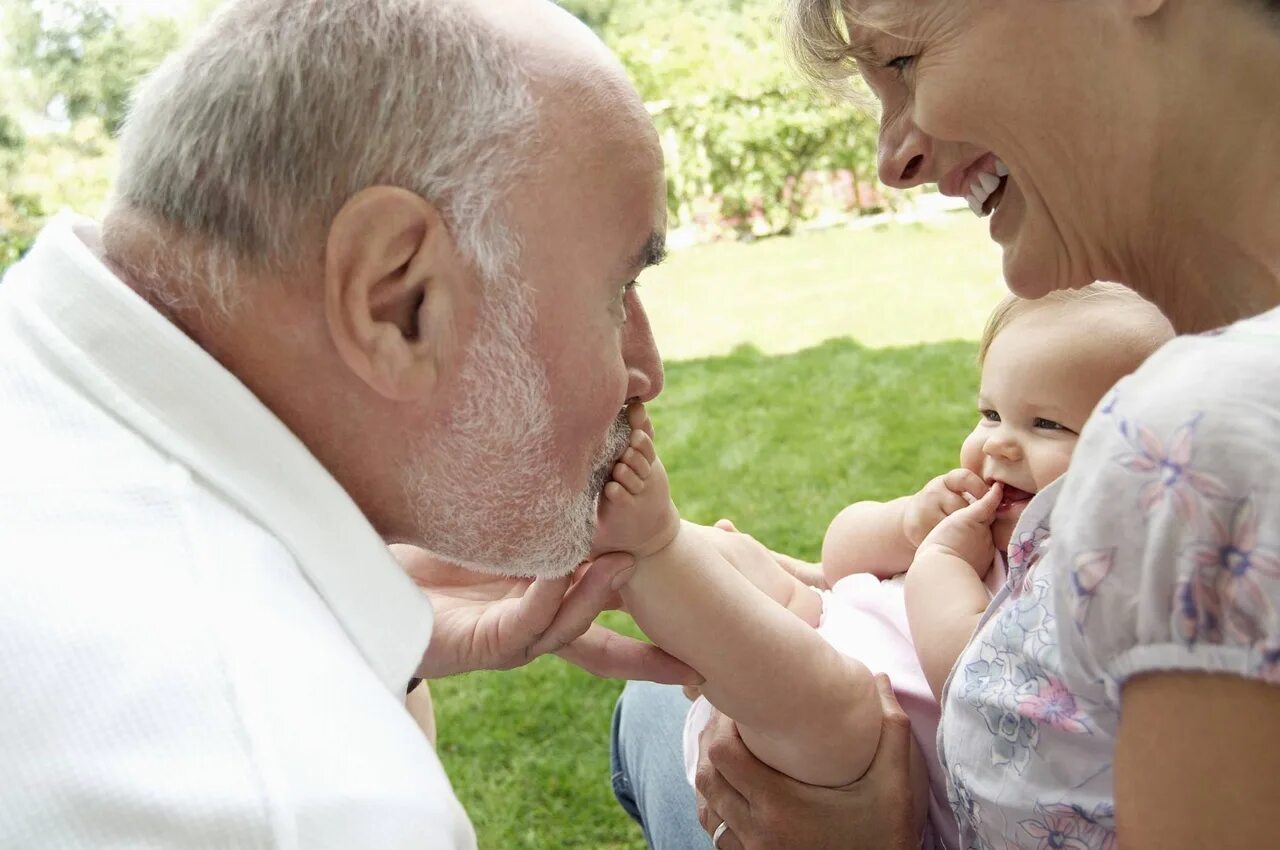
point(133, 362)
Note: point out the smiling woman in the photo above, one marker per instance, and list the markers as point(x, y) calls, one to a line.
point(1148, 578)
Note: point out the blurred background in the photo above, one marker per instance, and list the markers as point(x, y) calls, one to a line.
point(818, 329)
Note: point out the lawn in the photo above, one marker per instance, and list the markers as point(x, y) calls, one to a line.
point(778, 442)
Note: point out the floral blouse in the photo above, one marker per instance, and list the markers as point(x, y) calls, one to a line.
point(1158, 550)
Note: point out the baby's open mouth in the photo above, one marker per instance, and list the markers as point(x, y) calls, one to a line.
point(1013, 497)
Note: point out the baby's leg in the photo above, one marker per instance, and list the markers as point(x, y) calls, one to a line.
point(763, 570)
point(636, 512)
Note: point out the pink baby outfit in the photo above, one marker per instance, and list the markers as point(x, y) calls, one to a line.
point(866, 619)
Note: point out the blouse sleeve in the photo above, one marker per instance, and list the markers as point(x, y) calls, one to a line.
point(1169, 519)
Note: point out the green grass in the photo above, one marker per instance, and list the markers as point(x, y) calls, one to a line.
point(778, 443)
point(883, 286)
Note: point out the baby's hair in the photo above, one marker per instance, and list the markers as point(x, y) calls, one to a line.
point(1011, 307)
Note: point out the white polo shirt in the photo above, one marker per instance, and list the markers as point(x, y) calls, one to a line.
point(203, 643)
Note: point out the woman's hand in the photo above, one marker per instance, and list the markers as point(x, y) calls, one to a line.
point(767, 810)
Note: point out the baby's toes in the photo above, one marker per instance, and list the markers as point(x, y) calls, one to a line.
point(627, 477)
point(637, 461)
point(638, 419)
point(643, 443)
point(615, 492)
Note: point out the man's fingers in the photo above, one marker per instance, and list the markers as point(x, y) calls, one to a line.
point(536, 610)
point(609, 655)
point(582, 603)
point(726, 525)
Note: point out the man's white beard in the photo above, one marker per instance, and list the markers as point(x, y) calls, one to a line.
point(488, 493)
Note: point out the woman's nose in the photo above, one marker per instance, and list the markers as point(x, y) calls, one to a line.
point(905, 155)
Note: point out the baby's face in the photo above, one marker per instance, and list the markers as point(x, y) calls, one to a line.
point(1044, 373)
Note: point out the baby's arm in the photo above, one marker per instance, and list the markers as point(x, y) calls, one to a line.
point(867, 537)
point(791, 693)
point(880, 538)
point(945, 593)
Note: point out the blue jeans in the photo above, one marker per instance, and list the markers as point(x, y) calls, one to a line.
point(648, 767)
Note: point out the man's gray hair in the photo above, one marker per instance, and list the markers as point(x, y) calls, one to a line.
point(246, 142)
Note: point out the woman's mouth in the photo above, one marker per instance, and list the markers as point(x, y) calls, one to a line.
point(1013, 500)
point(986, 186)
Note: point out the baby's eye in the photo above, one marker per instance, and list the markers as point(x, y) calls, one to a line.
point(1049, 424)
point(990, 415)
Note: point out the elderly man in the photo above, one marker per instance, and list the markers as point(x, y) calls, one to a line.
point(367, 278)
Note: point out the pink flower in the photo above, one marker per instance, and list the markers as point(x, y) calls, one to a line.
point(1053, 705)
point(1062, 827)
point(1175, 479)
point(1222, 598)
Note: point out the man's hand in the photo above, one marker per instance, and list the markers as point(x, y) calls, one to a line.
point(767, 810)
point(939, 499)
point(492, 622)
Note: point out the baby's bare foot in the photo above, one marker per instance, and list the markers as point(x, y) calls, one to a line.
point(636, 513)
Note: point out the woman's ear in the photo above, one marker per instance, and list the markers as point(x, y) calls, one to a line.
point(391, 275)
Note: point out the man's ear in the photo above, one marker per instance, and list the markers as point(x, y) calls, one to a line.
point(391, 276)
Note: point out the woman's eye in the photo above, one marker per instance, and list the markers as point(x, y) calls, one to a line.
point(990, 415)
point(900, 63)
point(1049, 424)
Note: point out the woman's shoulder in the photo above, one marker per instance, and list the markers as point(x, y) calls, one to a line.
point(1167, 529)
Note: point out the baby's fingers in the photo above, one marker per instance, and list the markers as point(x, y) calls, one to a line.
point(984, 510)
point(962, 481)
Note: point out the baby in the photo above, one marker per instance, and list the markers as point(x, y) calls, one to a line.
point(794, 667)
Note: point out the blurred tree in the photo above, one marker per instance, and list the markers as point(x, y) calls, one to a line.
point(81, 59)
point(20, 212)
point(748, 142)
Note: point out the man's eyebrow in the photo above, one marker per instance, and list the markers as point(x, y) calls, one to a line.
point(653, 252)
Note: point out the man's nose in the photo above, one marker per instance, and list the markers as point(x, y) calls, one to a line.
point(640, 354)
point(906, 155)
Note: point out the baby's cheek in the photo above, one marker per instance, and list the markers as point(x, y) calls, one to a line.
point(971, 454)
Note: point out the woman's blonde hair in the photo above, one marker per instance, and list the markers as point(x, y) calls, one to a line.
point(1011, 307)
point(821, 45)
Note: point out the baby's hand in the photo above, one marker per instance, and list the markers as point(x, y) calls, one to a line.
point(966, 533)
point(636, 514)
point(939, 499)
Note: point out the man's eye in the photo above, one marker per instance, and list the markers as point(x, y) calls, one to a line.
point(990, 415)
point(1049, 424)
point(900, 63)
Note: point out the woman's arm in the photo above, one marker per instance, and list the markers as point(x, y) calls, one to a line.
point(1197, 762)
point(790, 691)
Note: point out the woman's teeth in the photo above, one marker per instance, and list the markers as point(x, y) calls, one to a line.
point(984, 185)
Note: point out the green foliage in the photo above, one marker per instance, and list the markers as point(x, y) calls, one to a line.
point(750, 145)
point(83, 60)
point(67, 68)
point(19, 212)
